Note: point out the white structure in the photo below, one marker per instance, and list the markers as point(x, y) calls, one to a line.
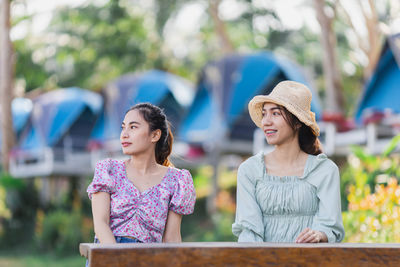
point(373, 137)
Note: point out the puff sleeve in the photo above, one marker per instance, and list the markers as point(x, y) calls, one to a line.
point(248, 226)
point(184, 196)
point(102, 180)
point(328, 218)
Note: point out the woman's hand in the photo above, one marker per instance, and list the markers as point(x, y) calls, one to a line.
point(311, 236)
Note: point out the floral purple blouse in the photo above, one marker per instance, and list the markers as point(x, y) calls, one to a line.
point(142, 215)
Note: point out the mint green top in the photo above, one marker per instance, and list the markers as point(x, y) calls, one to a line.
point(277, 208)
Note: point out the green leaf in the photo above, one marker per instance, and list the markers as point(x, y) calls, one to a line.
point(9, 182)
point(16, 20)
point(360, 153)
point(392, 145)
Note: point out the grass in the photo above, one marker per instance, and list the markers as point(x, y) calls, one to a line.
point(21, 259)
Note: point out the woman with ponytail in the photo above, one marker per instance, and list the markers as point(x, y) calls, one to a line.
point(291, 194)
point(141, 199)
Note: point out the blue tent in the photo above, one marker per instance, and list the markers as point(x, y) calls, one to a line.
point(21, 109)
point(224, 90)
point(382, 91)
point(168, 91)
point(68, 112)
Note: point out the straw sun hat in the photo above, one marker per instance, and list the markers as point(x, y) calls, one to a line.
point(294, 96)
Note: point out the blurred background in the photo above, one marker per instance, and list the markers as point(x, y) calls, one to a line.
point(70, 69)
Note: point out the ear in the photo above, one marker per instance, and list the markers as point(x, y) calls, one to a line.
point(297, 127)
point(155, 136)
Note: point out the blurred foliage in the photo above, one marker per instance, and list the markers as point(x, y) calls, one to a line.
point(54, 226)
point(65, 223)
point(61, 232)
point(374, 196)
point(31, 74)
point(25, 259)
point(86, 46)
point(18, 218)
point(89, 45)
point(200, 226)
point(9, 182)
point(202, 181)
point(4, 211)
point(93, 44)
point(164, 10)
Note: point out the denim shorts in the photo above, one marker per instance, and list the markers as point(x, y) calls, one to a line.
point(119, 239)
point(123, 239)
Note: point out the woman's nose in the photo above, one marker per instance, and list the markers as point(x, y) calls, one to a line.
point(266, 120)
point(124, 134)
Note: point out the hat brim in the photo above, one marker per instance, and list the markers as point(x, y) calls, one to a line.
point(257, 103)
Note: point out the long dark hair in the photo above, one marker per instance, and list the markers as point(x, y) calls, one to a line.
point(308, 142)
point(157, 119)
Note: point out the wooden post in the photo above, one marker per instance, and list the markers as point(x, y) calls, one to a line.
point(220, 29)
point(6, 83)
point(215, 156)
point(333, 84)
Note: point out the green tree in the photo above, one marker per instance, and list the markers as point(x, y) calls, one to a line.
point(89, 45)
point(27, 71)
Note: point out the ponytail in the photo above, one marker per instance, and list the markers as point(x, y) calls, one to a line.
point(157, 120)
point(308, 142)
point(164, 149)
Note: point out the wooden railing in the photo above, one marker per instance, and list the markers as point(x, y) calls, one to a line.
point(241, 254)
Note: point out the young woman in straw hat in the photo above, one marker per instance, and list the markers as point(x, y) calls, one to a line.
point(291, 194)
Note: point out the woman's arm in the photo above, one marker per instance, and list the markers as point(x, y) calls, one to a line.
point(328, 218)
point(172, 232)
point(101, 217)
point(248, 225)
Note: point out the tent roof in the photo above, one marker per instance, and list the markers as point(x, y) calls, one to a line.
point(149, 86)
point(152, 86)
point(226, 86)
point(21, 109)
point(382, 90)
point(55, 112)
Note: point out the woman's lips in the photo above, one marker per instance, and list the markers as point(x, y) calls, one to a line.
point(125, 144)
point(269, 132)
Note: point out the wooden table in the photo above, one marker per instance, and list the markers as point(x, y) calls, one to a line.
point(241, 254)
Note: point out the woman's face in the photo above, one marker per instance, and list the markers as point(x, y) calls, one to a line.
point(135, 135)
point(276, 129)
